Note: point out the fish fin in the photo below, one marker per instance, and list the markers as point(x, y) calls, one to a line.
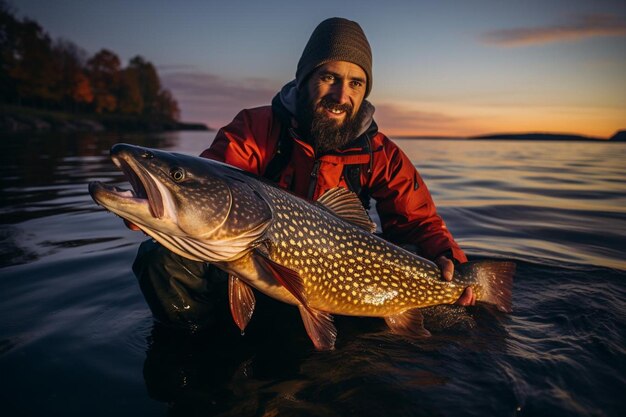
point(286, 277)
point(319, 325)
point(320, 328)
point(408, 323)
point(347, 205)
point(241, 300)
point(496, 278)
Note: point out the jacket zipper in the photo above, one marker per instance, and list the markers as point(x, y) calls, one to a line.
point(313, 180)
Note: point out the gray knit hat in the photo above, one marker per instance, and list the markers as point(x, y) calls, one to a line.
point(336, 39)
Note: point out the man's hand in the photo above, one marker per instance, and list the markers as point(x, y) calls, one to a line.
point(447, 272)
point(447, 267)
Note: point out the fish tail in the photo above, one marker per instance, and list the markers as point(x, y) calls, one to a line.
point(495, 279)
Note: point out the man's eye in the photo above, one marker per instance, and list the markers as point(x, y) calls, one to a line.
point(328, 77)
point(356, 84)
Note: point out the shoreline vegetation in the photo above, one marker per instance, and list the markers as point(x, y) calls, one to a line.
point(17, 120)
point(54, 85)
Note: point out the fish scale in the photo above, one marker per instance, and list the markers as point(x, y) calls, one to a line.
point(321, 256)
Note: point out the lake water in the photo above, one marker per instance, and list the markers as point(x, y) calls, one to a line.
point(76, 337)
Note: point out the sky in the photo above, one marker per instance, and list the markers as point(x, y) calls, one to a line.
point(441, 68)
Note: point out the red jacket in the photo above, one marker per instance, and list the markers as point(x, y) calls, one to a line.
point(404, 204)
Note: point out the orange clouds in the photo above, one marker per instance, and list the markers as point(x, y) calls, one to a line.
point(580, 27)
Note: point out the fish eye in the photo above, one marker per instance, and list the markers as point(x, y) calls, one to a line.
point(177, 174)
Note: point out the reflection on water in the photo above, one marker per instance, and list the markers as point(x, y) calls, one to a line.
point(45, 175)
point(76, 335)
point(43, 183)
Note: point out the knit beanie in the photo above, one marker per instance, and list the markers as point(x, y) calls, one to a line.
point(336, 39)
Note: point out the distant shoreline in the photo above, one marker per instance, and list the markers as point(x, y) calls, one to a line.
point(15, 120)
point(619, 136)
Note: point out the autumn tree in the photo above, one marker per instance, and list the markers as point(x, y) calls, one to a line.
point(130, 99)
point(103, 70)
point(8, 31)
point(148, 82)
point(73, 84)
point(167, 105)
point(156, 100)
point(29, 68)
point(82, 92)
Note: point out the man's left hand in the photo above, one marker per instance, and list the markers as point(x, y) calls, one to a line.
point(447, 272)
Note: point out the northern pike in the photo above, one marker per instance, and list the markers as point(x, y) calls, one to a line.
point(321, 256)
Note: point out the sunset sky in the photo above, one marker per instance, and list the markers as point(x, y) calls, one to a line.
point(445, 68)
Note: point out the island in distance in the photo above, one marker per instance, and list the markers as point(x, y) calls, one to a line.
point(619, 136)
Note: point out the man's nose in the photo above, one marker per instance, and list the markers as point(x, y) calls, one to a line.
point(339, 93)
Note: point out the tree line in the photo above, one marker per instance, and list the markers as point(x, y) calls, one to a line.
point(36, 71)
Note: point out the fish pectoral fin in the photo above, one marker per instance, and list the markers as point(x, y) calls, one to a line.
point(320, 328)
point(409, 323)
point(319, 325)
point(241, 300)
point(286, 277)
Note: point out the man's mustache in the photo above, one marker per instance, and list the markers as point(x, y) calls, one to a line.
point(328, 103)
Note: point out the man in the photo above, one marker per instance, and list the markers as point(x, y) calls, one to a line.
point(318, 133)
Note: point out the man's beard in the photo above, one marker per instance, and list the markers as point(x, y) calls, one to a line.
point(325, 133)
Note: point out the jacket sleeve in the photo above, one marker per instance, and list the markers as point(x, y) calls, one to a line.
point(405, 206)
point(247, 142)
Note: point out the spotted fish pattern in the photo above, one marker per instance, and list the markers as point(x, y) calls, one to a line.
point(349, 268)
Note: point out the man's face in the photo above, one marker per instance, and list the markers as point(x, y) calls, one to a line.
point(337, 89)
point(328, 108)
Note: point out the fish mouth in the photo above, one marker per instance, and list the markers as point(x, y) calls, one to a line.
point(144, 188)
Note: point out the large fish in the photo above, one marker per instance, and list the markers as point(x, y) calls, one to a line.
point(320, 256)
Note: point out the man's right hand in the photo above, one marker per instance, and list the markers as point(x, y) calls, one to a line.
point(467, 298)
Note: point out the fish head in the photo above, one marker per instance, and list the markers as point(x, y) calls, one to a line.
point(192, 205)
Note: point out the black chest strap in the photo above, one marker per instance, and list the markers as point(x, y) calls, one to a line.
point(352, 175)
point(280, 160)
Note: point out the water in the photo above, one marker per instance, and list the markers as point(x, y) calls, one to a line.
point(76, 337)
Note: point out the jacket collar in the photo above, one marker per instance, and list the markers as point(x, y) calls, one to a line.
point(284, 105)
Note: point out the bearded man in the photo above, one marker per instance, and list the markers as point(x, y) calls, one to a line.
point(318, 133)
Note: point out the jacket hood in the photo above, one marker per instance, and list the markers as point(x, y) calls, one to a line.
point(284, 103)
